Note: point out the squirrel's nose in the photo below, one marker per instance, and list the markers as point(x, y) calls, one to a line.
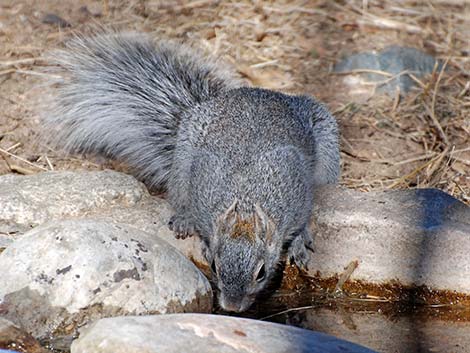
point(231, 307)
point(233, 304)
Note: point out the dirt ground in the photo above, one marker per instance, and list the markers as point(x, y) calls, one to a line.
point(420, 140)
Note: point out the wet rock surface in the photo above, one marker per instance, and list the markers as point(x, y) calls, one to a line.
point(396, 64)
point(204, 333)
point(13, 338)
point(63, 274)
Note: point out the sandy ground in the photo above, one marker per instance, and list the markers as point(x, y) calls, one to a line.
point(420, 140)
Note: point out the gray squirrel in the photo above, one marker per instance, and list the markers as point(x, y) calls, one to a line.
point(239, 164)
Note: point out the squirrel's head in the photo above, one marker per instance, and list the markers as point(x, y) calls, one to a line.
point(243, 255)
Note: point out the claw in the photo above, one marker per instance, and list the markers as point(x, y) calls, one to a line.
point(299, 250)
point(181, 226)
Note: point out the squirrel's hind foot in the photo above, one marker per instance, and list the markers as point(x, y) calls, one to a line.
point(182, 226)
point(300, 249)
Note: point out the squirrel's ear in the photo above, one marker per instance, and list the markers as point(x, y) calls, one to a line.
point(263, 224)
point(232, 209)
point(227, 219)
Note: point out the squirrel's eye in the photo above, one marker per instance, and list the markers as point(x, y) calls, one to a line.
point(261, 274)
point(213, 268)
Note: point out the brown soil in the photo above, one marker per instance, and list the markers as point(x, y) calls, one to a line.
point(421, 140)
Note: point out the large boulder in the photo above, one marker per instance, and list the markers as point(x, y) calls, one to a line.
point(31, 200)
point(204, 333)
point(413, 237)
point(28, 201)
point(63, 274)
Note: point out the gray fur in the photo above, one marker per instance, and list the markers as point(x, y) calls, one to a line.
point(239, 163)
point(124, 96)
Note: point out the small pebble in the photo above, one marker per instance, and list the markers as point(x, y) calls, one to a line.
point(53, 19)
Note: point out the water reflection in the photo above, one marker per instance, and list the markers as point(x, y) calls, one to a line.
point(382, 326)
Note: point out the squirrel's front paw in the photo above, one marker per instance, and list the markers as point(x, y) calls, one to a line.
point(300, 250)
point(182, 227)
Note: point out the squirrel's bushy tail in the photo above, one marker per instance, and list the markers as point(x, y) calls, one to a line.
point(123, 96)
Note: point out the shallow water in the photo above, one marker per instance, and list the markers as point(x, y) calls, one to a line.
point(389, 324)
point(383, 327)
point(389, 327)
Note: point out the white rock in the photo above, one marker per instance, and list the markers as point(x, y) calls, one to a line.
point(34, 199)
point(203, 333)
point(417, 237)
point(28, 201)
point(61, 274)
